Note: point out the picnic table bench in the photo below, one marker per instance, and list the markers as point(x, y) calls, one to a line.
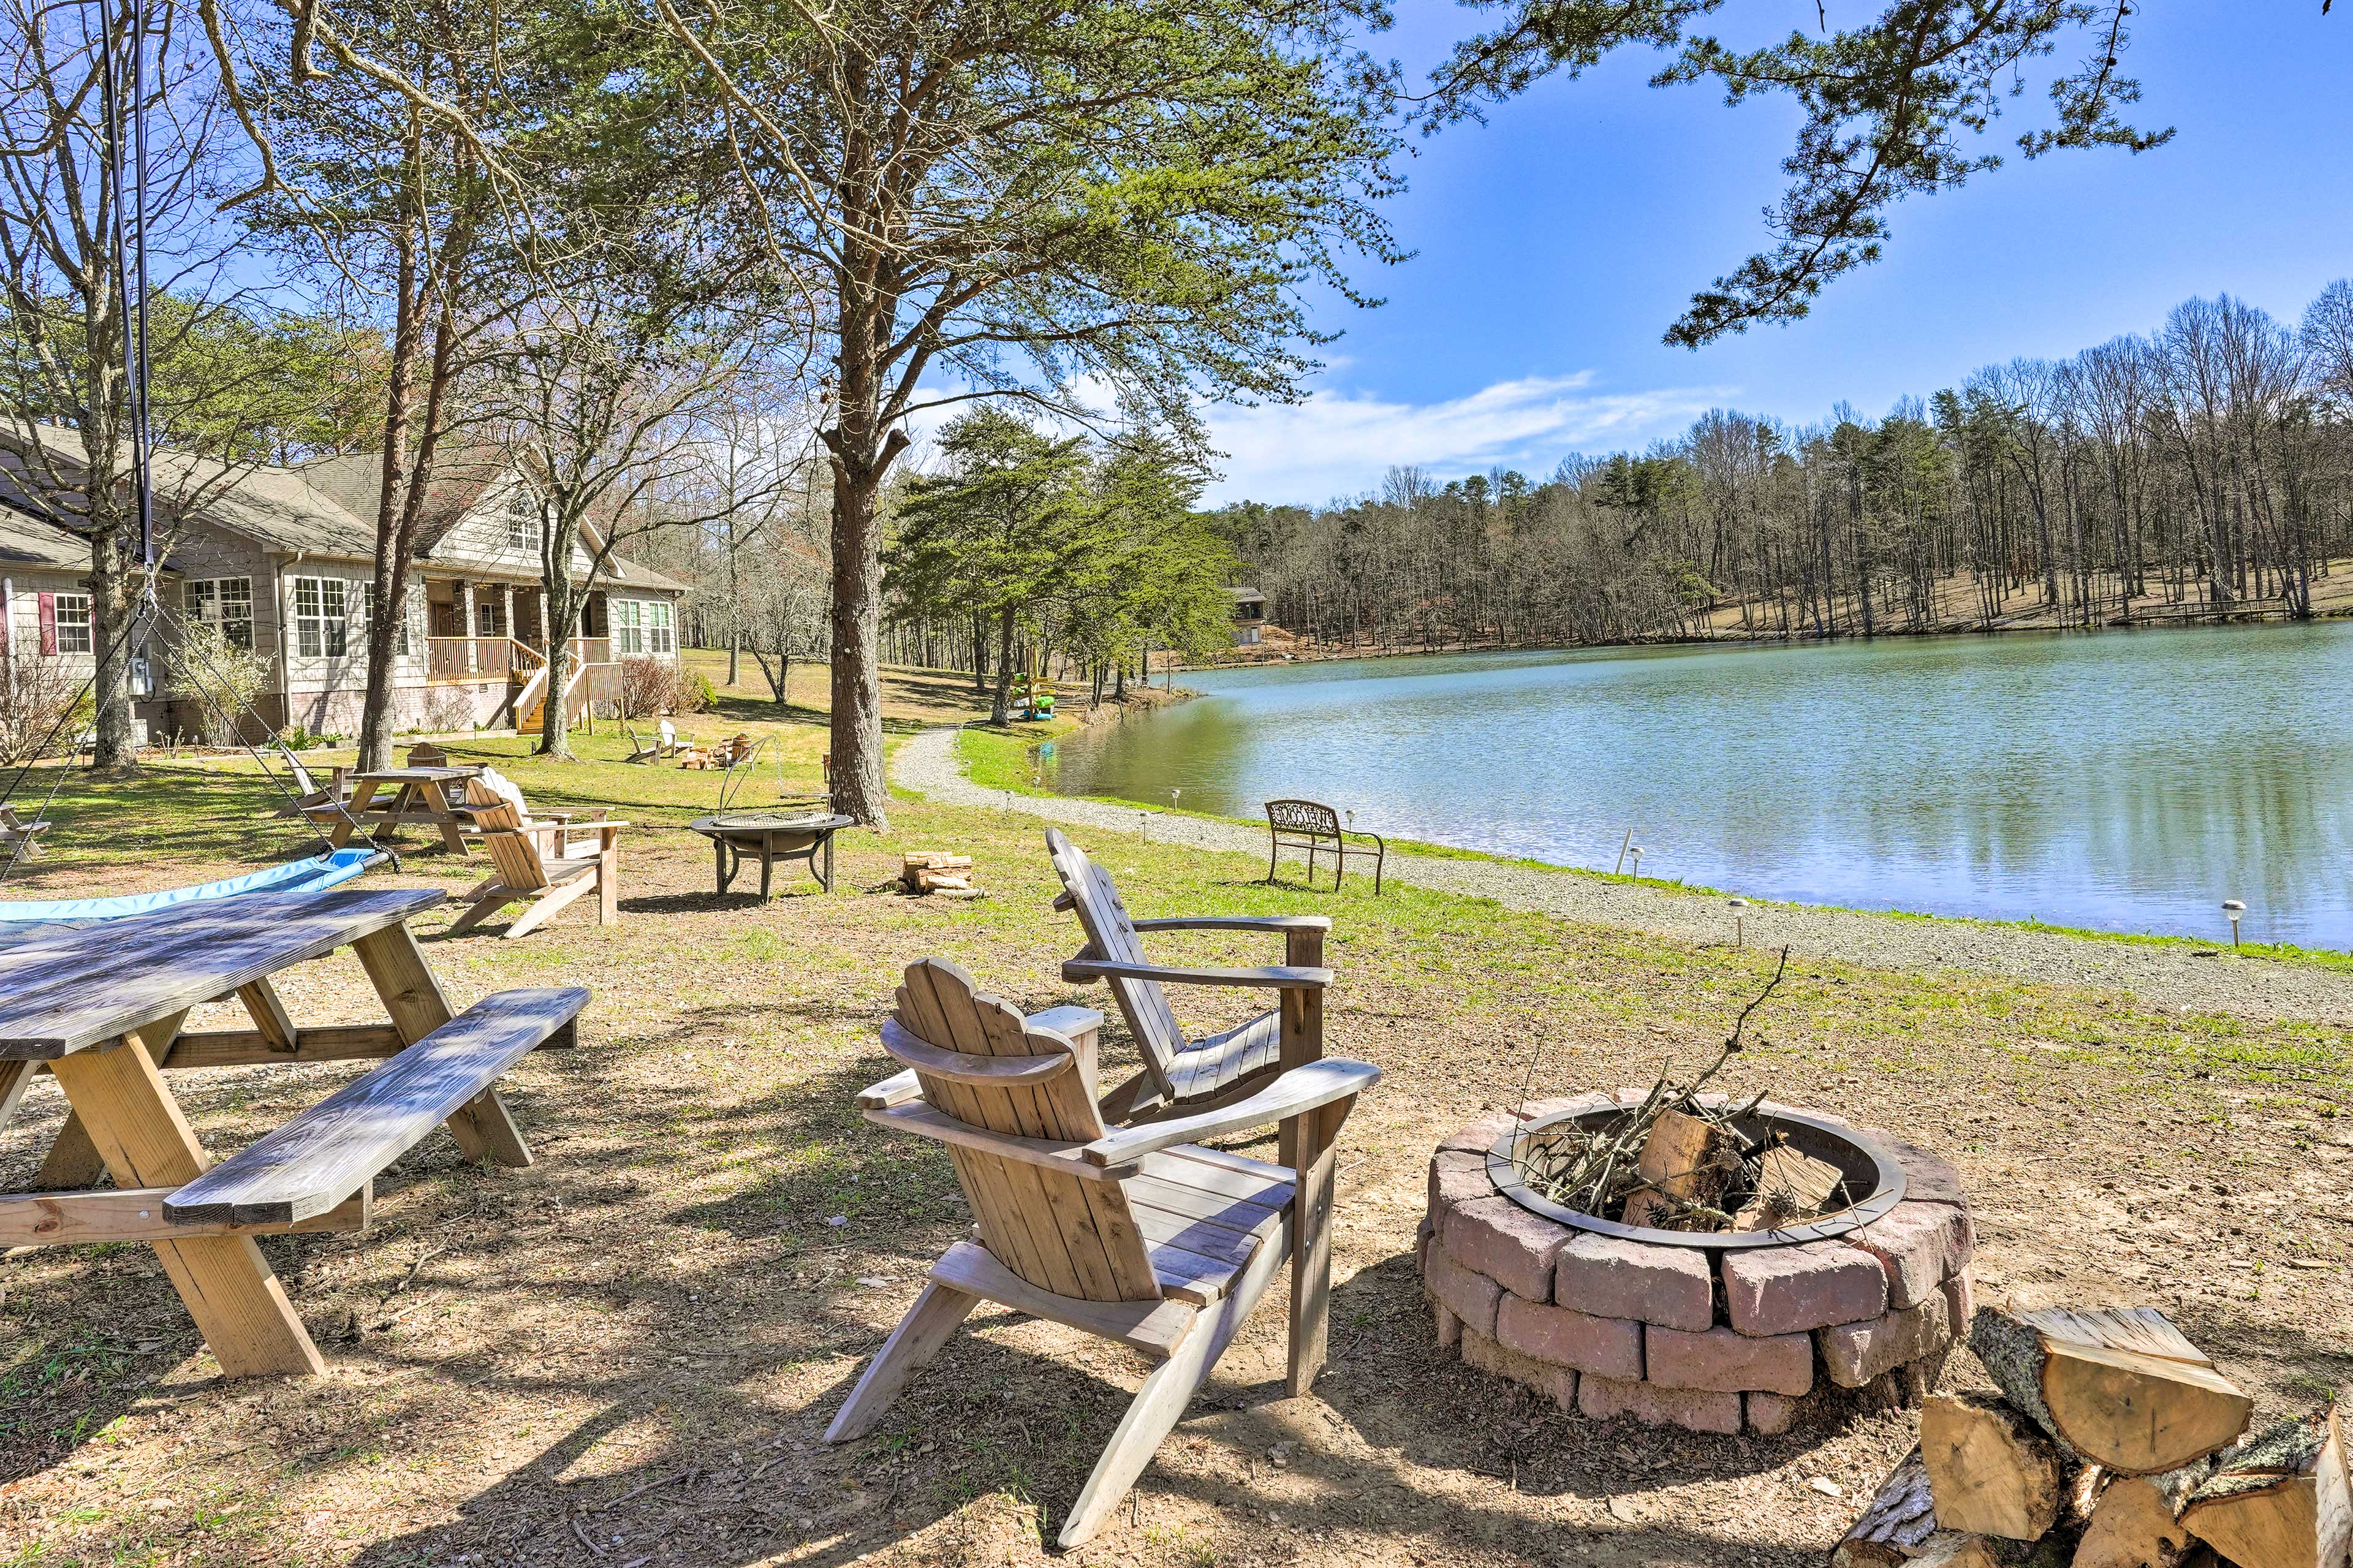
point(101, 1008)
point(422, 797)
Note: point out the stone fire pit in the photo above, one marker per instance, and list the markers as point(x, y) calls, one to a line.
point(1714, 1332)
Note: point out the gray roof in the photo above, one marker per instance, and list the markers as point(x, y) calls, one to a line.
point(276, 506)
point(27, 544)
point(324, 508)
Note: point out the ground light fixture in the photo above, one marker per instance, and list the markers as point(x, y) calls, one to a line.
point(1636, 851)
point(1739, 921)
point(2234, 908)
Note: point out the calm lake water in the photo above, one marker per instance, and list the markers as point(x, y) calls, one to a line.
point(2127, 781)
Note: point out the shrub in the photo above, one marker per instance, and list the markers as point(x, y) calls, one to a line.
point(660, 686)
point(38, 695)
point(222, 679)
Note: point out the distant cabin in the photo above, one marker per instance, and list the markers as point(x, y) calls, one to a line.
point(279, 560)
point(1249, 616)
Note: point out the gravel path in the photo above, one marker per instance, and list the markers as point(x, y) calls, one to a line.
point(2168, 976)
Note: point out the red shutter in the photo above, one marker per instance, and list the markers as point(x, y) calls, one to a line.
point(50, 624)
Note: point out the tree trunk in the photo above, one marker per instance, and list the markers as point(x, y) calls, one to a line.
point(860, 790)
point(113, 603)
point(1000, 706)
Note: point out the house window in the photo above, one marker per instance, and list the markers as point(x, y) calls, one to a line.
point(522, 518)
point(71, 613)
point(659, 636)
point(628, 625)
point(322, 611)
point(223, 602)
point(490, 616)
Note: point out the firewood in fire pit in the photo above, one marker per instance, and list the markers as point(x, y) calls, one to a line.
point(2119, 1386)
point(1790, 1187)
point(1990, 1472)
point(2283, 1498)
point(1686, 1162)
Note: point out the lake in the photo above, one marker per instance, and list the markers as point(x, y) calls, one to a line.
point(2125, 781)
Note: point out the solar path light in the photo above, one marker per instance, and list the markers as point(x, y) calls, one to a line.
point(2234, 908)
point(1739, 921)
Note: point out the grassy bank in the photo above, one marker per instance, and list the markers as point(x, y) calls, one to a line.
point(626, 1353)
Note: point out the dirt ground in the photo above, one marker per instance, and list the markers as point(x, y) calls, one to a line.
point(623, 1357)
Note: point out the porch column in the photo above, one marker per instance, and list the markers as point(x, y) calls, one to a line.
point(462, 590)
point(506, 609)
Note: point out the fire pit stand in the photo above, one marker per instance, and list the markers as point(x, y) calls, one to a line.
point(1713, 1331)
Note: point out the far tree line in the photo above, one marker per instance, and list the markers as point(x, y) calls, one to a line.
point(2203, 468)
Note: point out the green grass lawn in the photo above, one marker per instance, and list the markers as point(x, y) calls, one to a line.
point(647, 1330)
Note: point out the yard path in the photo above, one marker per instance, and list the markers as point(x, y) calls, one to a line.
point(2171, 976)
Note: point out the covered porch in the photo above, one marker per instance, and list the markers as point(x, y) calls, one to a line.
point(487, 630)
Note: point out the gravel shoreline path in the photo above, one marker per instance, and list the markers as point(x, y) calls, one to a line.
point(2173, 977)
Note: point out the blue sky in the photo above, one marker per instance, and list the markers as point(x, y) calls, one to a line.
point(1555, 243)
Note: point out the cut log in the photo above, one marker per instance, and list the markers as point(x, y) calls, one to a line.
point(2137, 1523)
point(2119, 1387)
point(1952, 1549)
point(1679, 1157)
point(1683, 1157)
point(2281, 1498)
point(1990, 1471)
point(1791, 1186)
point(1895, 1525)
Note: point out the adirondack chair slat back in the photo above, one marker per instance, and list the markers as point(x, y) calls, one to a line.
point(1064, 1234)
point(1110, 932)
point(513, 851)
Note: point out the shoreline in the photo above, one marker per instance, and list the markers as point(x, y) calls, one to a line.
point(2179, 973)
point(2204, 620)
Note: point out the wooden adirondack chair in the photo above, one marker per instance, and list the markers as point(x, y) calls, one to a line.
point(336, 791)
point(1138, 1236)
point(18, 838)
point(1182, 1075)
point(524, 871)
point(489, 787)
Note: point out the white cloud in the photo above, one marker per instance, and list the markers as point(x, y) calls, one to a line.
point(1341, 444)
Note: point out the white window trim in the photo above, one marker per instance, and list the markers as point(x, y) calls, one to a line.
point(85, 628)
point(213, 609)
point(316, 629)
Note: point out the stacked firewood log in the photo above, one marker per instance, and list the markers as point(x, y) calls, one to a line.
point(937, 871)
point(2113, 1444)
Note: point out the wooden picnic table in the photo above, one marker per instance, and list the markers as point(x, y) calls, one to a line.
point(429, 796)
point(100, 1006)
point(770, 836)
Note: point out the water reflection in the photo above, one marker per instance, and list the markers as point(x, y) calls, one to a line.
point(2127, 781)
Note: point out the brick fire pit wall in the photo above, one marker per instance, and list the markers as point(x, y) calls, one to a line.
point(1678, 1336)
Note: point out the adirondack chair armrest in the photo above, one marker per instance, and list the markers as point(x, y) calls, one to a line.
point(1064, 903)
point(1238, 922)
point(1273, 977)
point(1302, 1089)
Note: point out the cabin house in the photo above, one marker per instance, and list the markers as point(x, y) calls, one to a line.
point(279, 560)
point(1249, 616)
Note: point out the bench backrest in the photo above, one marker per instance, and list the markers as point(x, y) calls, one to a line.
point(424, 754)
point(1310, 816)
point(514, 852)
point(1110, 933)
point(978, 1062)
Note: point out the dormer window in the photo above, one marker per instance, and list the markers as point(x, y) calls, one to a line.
point(522, 518)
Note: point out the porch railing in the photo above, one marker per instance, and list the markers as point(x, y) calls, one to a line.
point(479, 658)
